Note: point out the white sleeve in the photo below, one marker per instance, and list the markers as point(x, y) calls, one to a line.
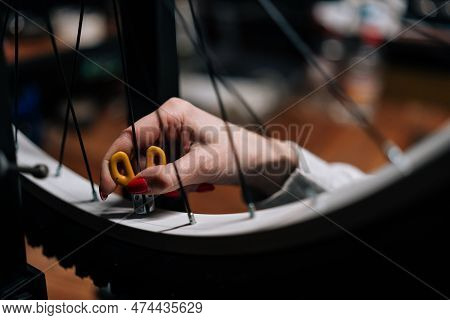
point(313, 175)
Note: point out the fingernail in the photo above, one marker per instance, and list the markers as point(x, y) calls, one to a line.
point(137, 186)
point(173, 194)
point(103, 195)
point(205, 187)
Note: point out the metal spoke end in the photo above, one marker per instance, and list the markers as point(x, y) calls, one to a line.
point(191, 217)
point(94, 196)
point(58, 171)
point(396, 156)
point(251, 209)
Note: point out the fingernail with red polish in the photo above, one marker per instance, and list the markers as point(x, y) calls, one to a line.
point(103, 196)
point(173, 194)
point(205, 187)
point(137, 186)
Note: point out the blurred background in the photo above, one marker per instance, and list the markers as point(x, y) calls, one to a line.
point(403, 87)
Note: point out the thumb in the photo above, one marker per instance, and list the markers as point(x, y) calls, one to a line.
point(163, 178)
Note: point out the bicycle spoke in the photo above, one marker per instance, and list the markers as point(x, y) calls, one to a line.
point(4, 27)
point(228, 85)
point(387, 147)
point(244, 187)
point(72, 84)
point(16, 74)
point(131, 113)
point(70, 107)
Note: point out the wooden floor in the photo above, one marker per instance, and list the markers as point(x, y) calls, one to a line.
point(401, 115)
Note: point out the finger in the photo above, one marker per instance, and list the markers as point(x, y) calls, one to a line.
point(163, 179)
point(107, 183)
point(200, 188)
point(147, 131)
point(166, 121)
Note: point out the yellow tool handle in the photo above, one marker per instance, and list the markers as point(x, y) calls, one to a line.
point(121, 157)
point(155, 151)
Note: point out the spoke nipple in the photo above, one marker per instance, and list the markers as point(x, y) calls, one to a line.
point(251, 209)
point(58, 171)
point(192, 220)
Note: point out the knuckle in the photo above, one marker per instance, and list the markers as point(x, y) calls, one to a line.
point(125, 133)
point(175, 103)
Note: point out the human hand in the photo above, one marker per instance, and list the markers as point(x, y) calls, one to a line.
point(207, 155)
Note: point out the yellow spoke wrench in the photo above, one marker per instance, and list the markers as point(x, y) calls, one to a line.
point(139, 202)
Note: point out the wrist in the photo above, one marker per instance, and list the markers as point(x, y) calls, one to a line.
point(274, 166)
